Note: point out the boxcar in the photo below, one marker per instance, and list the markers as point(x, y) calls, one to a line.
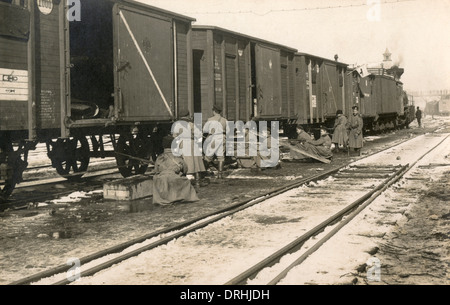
point(380, 99)
point(444, 105)
point(432, 108)
point(250, 78)
point(97, 67)
point(320, 89)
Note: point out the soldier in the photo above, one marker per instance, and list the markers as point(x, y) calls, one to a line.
point(354, 127)
point(340, 137)
point(215, 138)
point(302, 137)
point(169, 183)
point(194, 163)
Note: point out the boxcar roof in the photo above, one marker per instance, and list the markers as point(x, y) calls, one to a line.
point(154, 8)
point(322, 58)
point(219, 29)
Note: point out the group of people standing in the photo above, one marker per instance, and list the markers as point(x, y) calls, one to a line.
point(348, 133)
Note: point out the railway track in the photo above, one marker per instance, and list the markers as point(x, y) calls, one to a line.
point(383, 175)
point(34, 174)
point(17, 202)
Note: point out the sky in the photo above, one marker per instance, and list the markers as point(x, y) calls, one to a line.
point(416, 32)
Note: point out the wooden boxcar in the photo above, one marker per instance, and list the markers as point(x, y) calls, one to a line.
point(431, 108)
point(444, 105)
point(96, 67)
point(380, 98)
point(320, 89)
point(250, 78)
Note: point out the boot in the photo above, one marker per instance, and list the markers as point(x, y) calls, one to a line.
point(197, 182)
point(206, 164)
point(220, 174)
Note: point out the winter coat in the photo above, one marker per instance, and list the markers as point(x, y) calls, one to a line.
point(355, 126)
point(340, 136)
point(169, 184)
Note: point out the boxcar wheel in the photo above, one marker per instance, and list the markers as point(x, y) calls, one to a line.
point(70, 157)
point(12, 175)
point(129, 147)
point(6, 189)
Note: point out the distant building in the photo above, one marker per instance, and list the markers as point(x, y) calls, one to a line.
point(386, 67)
point(387, 62)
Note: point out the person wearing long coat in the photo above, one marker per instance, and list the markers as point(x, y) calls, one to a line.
point(169, 183)
point(355, 127)
point(216, 136)
point(195, 165)
point(340, 136)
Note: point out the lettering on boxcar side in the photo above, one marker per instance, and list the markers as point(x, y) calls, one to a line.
point(13, 85)
point(314, 101)
point(47, 106)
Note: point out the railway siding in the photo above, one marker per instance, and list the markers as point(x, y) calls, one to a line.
point(234, 243)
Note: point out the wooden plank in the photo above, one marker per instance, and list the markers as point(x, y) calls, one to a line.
point(363, 175)
point(13, 72)
point(303, 152)
point(17, 85)
point(13, 91)
point(13, 97)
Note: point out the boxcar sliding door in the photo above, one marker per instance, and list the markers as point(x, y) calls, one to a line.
point(144, 57)
point(268, 82)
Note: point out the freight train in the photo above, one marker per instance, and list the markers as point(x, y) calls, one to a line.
point(128, 70)
point(439, 107)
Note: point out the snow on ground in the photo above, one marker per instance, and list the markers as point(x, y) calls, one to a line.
point(196, 258)
point(337, 260)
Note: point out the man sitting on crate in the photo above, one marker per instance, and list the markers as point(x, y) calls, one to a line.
point(170, 183)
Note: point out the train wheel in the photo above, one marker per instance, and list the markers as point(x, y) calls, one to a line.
point(70, 157)
point(6, 190)
point(11, 169)
point(7, 187)
point(132, 154)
